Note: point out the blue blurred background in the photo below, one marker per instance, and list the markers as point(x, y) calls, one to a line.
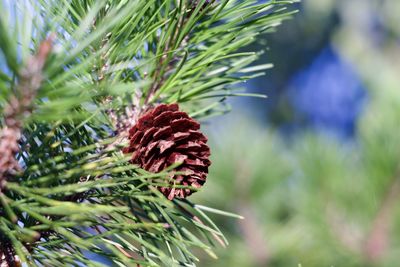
point(314, 168)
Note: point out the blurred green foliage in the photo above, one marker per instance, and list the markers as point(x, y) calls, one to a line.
point(314, 199)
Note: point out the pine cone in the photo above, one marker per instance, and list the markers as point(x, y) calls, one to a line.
point(164, 136)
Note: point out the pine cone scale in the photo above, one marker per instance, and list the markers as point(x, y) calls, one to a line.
point(181, 125)
point(163, 133)
point(166, 117)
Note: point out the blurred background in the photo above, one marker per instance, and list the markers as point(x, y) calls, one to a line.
point(315, 167)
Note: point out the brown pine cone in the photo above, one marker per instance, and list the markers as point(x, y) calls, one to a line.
point(164, 136)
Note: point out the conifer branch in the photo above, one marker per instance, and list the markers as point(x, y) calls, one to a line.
point(169, 57)
point(78, 192)
point(18, 108)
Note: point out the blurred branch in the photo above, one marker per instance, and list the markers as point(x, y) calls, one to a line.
point(253, 233)
point(344, 231)
point(251, 228)
point(378, 239)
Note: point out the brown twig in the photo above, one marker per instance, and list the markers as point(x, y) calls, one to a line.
point(7, 256)
point(18, 108)
point(159, 74)
point(122, 123)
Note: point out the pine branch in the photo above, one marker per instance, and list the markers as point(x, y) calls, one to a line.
point(18, 108)
point(169, 56)
point(76, 192)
